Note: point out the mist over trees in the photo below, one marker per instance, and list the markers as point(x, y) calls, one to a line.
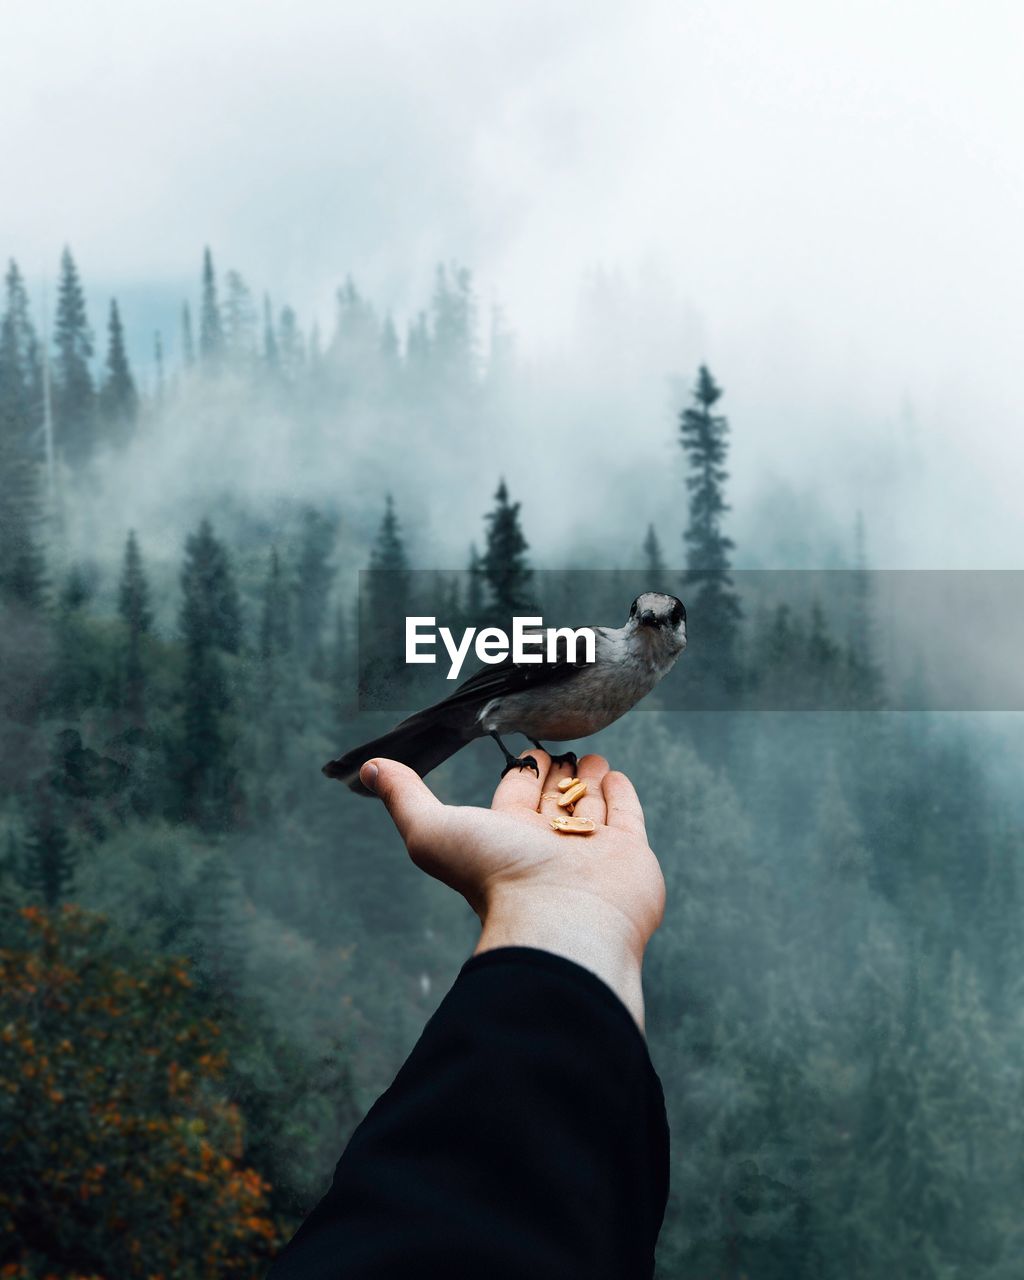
point(831, 1001)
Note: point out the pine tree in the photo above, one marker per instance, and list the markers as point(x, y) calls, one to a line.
point(654, 562)
point(271, 358)
point(454, 346)
point(158, 367)
point(119, 401)
point(74, 397)
point(211, 333)
point(188, 346)
point(275, 623)
point(504, 564)
point(384, 604)
point(49, 859)
point(239, 322)
point(713, 604)
point(314, 576)
point(133, 606)
point(209, 587)
point(209, 623)
point(22, 570)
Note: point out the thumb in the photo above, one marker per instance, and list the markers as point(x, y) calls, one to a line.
point(414, 808)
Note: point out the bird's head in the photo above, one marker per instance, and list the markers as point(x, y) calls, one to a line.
point(662, 618)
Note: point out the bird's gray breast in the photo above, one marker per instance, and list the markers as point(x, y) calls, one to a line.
point(598, 693)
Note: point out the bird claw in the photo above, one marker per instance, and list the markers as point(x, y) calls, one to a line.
point(521, 763)
point(567, 757)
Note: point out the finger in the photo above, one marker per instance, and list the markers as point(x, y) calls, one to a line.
point(521, 788)
point(623, 805)
point(414, 809)
point(591, 770)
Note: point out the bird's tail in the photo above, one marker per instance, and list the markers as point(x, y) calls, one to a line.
point(420, 743)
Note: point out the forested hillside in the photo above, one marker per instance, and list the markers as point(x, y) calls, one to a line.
point(212, 959)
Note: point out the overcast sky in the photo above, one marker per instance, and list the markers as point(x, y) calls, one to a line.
point(824, 200)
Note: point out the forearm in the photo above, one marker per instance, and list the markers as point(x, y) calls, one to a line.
point(575, 925)
point(525, 1135)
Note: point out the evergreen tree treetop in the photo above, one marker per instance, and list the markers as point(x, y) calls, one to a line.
point(74, 394)
point(22, 570)
point(388, 551)
point(133, 590)
point(211, 613)
point(504, 563)
point(211, 333)
point(71, 334)
point(188, 346)
point(654, 561)
point(275, 624)
point(119, 399)
point(20, 371)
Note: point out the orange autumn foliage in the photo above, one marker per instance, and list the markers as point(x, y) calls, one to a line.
point(120, 1155)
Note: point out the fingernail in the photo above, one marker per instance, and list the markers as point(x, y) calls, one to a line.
point(368, 776)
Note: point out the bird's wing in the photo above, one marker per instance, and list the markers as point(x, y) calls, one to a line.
point(502, 678)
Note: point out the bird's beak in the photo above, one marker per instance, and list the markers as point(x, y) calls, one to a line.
point(648, 618)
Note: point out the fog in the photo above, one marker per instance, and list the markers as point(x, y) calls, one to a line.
point(821, 202)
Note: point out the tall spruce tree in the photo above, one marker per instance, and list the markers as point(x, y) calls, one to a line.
point(271, 359)
point(119, 400)
point(74, 396)
point(158, 368)
point(454, 341)
point(384, 604)
point(22, 570)
point(211, 332)
point(275, 622)
point(188, 345)
point(313, 578)
point(210, 624)
point(137, 618)
point(48, 857)
point(504, 564)
point(654, 561)
point(210, 584)
point(711, 596)
point(239, 322)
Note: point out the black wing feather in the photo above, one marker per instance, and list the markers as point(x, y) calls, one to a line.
point(502, 678)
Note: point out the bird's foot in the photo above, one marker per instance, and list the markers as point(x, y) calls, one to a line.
point(567, 757)
point(521, 763)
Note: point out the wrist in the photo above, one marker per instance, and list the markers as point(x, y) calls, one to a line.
point(576, 925)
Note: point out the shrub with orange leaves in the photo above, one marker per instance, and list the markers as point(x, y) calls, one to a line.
point(120, 1155)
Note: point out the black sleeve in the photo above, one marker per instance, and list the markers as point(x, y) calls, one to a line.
point(525, 1137)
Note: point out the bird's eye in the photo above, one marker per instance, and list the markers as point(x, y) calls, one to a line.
point(677, 614)
point(632, 609)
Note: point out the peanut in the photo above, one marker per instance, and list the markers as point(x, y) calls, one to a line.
point(574, 826)
point(566, 783)
point(572, 795)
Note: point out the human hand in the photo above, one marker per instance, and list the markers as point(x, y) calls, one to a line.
point(594, 899)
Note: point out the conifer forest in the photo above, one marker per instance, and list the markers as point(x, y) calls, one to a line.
point(212, 959)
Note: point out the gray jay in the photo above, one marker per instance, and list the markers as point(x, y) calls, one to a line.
point(548, 700)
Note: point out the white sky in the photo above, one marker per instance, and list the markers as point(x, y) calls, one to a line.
point(824, 200)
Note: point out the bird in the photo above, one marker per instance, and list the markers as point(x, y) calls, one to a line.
point(557, 701)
